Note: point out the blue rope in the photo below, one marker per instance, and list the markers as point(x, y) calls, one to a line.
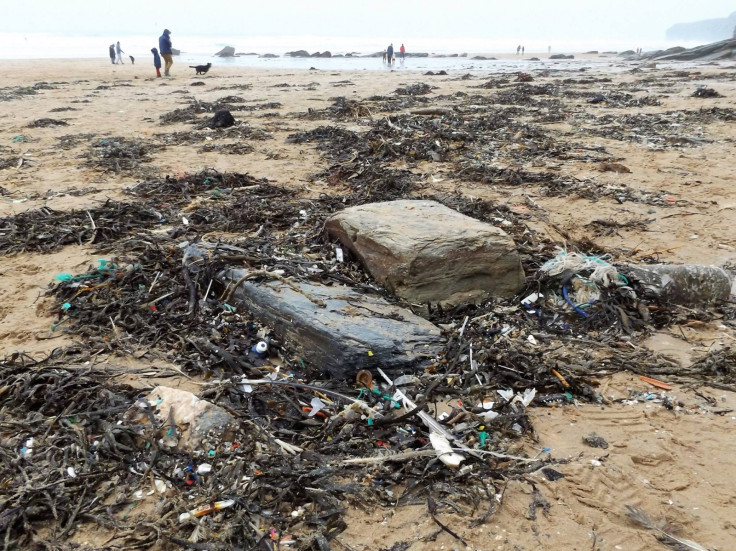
point(567, 298)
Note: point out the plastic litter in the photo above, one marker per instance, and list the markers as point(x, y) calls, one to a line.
point(260, 349)
point(206, 509)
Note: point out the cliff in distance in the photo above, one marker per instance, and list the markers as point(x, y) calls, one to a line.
point(709, 30)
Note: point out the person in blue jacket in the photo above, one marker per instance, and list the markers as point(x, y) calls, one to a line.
point(156, 61)
point(164, 47)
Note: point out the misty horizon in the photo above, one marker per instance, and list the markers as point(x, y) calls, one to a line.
point(535, 21)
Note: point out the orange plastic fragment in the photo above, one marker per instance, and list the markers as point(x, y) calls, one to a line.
point(561, 378)
point(655, 382)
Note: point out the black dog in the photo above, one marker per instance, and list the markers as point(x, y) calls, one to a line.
point(201, 69)
point(132, 60)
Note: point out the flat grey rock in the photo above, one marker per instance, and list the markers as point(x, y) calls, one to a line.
point(338, 329)
point(426, 252)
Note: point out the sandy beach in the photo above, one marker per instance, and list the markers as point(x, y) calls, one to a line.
point(644, 175)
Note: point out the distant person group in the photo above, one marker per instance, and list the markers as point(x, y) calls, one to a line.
point(116, 54)
point(520, 49)
point(388, 54)
point(164, 51)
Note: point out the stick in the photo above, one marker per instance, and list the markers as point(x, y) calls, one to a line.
point(155, 279)
point(651, 253)
point(404, 456)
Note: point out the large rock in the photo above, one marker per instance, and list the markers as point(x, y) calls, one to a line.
point(200, 425)
point(298, 53)
point(338, 329)
point(426, 252)
point(725, 49)
point(227, 51)
point(688, 285)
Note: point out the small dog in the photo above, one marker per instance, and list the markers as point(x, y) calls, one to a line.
point(201, 69)
point(132, 60)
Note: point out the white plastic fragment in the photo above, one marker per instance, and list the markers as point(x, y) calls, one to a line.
point(406, 380)
point(317, 406)
point(160, 485)
point(531, 340)
point(444, 450)
point(339, 255)
point(204, 468)
point(506, 394)
point(530, 299)
point(528, 396)
point(71, 472)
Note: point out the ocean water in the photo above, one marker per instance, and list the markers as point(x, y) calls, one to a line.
point(201, 49)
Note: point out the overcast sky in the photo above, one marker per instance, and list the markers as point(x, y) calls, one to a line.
point(636, 20)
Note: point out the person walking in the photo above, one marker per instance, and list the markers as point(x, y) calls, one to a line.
point(522, 50)
point(112, 53)
point(156, 61)
point(120, 53)
point(402, 51)
point(164, 47)
point(518, 49)
point(390, 53)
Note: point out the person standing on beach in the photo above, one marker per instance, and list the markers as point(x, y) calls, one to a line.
point(120, 53)
point(522, 50)
point(390, 53)
point(112, 53)
point(518, 49)
point(164, 47)
point(156, 61)
point(402, 51)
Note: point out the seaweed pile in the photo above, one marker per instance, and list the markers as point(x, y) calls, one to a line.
point(118, 154)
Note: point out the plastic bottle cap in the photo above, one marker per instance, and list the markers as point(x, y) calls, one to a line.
point(261, 347)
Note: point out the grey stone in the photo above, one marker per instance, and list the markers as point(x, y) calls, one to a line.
point(426, 252)
point(200, 425)
point(688, 285)
point(297, 53)
point(338, 329)
point(227, 51)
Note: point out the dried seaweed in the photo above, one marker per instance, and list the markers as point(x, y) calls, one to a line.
point(117, 155)
point(45, 123)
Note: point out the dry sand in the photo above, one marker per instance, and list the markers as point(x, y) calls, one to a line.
point(678, 465)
